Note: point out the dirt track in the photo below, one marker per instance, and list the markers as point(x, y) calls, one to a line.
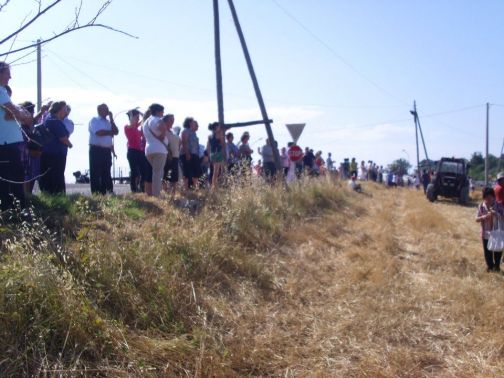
point(396, 287)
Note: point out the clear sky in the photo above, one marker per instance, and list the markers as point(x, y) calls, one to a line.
point(349, 69)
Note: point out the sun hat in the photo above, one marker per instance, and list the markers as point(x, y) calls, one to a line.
point(500, 175)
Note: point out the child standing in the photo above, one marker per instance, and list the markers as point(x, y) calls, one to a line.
point(490, 214)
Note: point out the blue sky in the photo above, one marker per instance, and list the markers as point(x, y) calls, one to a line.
point(349, 69)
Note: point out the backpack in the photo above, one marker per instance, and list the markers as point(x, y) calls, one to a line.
point(39, 137)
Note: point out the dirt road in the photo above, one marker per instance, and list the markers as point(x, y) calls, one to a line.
point(393, 287)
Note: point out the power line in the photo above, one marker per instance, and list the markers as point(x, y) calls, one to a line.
point(336, 54)
point(23, 63)
point(22, 57)
point(81, 71)
point(61, 70)
point(202, 89)
point(397, 121)
point(459, 110)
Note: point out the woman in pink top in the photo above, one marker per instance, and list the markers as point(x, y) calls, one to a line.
point(136, 155)
point(490, 215)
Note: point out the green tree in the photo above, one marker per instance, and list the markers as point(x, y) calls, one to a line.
point(400, 166)
point(477, 168)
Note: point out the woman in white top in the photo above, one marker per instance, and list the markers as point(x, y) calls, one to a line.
point(156, 148)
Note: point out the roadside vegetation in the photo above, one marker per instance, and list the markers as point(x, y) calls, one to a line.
point(120, 285)
point(253, 281)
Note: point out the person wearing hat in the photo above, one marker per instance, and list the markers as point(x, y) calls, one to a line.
point(499, 188)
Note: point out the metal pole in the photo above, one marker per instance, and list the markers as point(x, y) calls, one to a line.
point(218, 66)
point(487, 139)
point(39, 75)
point(260, 100)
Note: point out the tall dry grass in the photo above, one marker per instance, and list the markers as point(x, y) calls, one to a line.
point(259, 281)
point(126, 285)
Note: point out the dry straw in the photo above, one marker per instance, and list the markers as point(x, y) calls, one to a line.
point(258, 281)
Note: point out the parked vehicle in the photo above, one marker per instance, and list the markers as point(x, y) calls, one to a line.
point(81, 178)
point(450, 180)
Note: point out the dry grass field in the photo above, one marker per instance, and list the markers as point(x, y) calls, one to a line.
point(317, 282)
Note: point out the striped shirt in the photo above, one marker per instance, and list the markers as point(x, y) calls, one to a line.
point(487, 225)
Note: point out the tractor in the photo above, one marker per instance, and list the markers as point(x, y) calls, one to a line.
point(450, 180)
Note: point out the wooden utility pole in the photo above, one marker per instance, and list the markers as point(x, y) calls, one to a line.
point(39, 75)
point(218, 66)
point(486, 143)
point(257, 90)
point(415, 117)
point(421, 135)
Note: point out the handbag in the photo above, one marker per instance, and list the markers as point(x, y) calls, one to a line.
point(496, 240)
point(39, 137)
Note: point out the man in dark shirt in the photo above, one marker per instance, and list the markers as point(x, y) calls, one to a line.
point(425, 180)
point(309, 160)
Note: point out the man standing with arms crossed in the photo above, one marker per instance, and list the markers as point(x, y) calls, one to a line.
point(101, 133)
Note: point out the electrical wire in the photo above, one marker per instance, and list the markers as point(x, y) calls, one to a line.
point(67, 75)
point(23, 63)
point(234, 95)
point(80, 71)
point(398, 121)
point(337, 55)
point(22, 57)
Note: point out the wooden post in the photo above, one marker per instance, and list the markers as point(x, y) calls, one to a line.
point(415, 116)
point(218, 66)
point(421, 134)
point(257, 90)
point(416, 138)
point(39, 75)
point(486, 142)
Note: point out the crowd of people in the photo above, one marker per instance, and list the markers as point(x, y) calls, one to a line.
point(34, 147)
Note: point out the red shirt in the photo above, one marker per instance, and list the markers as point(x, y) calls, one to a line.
point(499, 194)
point(135, 137)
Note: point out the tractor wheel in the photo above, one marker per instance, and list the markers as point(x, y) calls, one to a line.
point(431, 192)
point(464, 195)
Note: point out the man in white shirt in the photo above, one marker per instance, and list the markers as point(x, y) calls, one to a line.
point(69, 125)
point(101, 134)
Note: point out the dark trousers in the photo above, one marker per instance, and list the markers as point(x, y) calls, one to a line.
point(53, 170)
point(269, 170)
point(11, 169)
point(100, 162)
point(492, 259)
point(138, 165)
